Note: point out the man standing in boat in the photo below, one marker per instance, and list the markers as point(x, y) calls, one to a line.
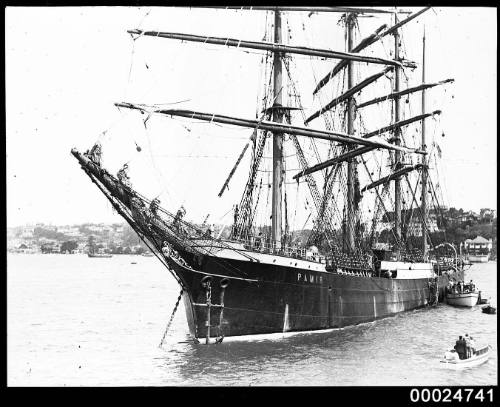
point(460, 347)
point(468, 346)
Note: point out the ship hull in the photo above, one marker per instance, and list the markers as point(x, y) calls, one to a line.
point(266, 298)
point(252, 293)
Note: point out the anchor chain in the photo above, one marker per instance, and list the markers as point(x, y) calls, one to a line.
point(171, 318)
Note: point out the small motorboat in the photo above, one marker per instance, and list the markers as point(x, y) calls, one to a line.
point(489, 309)
point(464, 299)
point(452, 360)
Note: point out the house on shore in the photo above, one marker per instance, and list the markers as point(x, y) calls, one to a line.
point(478, 250)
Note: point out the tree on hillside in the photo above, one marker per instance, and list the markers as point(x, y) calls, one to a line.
point(40, 232)
point(69, 246)
point(139, 250)
point(129, 237)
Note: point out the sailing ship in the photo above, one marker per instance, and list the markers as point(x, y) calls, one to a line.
point(259, 279)
point(93, 250)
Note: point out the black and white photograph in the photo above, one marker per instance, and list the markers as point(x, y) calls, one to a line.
point(230, 196)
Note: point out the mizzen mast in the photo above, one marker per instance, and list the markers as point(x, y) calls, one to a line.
point(424, 163)
point(277, 138)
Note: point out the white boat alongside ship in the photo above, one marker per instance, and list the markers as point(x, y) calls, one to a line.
point(466, 299)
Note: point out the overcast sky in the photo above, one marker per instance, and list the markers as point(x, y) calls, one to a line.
point(65, 67)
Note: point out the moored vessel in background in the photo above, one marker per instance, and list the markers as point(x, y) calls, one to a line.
point(94, 251)
point(98, 255)
point(258, 280)
point(488, 309)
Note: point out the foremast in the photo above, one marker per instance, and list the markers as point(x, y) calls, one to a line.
point(277, 184)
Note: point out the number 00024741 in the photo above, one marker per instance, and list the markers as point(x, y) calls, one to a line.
point(425, 395)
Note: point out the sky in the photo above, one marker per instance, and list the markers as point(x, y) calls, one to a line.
point(67, 66)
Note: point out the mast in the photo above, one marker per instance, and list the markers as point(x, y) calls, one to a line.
point(351, 163)
point(424, 163)
point(397, 139)
point(277, 137)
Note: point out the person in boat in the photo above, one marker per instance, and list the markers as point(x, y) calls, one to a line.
point(472, 286)
point(460, 347)
point(468, 348)
point(472, 345)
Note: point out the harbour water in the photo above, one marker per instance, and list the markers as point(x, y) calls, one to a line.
point(79, 321)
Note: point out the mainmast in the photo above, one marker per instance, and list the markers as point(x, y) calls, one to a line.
point(424, 162)
point(277, 137)
point(397, 139)
point(351, 163)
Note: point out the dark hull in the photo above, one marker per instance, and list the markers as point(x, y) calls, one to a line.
point(290, 299)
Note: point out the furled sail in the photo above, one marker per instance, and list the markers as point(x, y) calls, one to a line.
point(394, 95)
point(275, 127)
point(267, 46)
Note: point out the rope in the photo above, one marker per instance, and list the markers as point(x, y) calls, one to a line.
point(171, 318)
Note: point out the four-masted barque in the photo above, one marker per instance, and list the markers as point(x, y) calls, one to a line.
point(259, 280)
